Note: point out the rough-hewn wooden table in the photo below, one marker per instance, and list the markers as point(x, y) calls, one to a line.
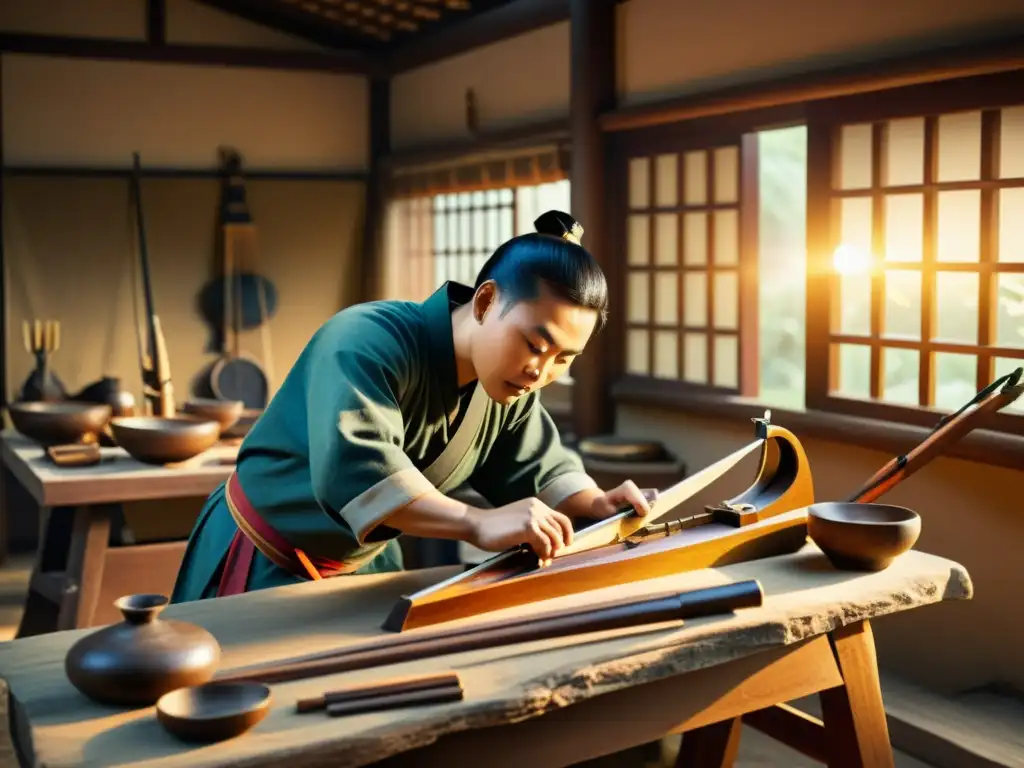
point(76, 574)
point(545, 703)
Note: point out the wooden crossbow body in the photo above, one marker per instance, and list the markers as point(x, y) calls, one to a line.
point(766, 520)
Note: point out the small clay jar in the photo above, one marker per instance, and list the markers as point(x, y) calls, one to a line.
point(142, 658)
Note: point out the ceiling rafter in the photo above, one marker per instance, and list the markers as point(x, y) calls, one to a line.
point(367, 25)
point(269, 15)
point(397, 35)
point(381, 20)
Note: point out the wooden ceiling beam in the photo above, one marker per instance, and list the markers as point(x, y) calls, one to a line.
point(509, 20)
point(282, 18)
point(548, 131)
point(156, 22)
point(984, 57)
point(204, 55)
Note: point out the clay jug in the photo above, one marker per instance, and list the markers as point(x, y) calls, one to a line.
point(142, 658)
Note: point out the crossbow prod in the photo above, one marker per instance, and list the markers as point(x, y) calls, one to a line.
point(766, 520)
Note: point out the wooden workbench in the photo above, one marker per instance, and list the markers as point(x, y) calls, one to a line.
point(545, 703)
point(76, 573)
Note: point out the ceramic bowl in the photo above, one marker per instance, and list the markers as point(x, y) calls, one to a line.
point(245, 421)
point(224, 412)
point(214, 711)
point(59, 423)
point(862, 537)
point(162, 440)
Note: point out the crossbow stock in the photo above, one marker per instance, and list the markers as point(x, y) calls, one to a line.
point(766, 520)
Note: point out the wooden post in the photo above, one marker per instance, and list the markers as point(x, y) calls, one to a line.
point(592, 92)
point(4, 525)
point(156, 22)
point(3, 274)
point(376, 188)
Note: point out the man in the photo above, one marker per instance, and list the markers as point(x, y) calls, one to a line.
point(392, 405)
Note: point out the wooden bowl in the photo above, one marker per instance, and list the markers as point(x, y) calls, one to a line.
point(214, 711)
point(862, 537)
point(245, 421)
point(161, 440)
point(68, 421)
point(224, 412)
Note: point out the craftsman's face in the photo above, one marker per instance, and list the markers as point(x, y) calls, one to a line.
point(520, 348)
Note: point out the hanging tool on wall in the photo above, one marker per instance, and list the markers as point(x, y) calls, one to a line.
point(157, 390)
point(472, 114)
point(240, 299)
point(42, 339)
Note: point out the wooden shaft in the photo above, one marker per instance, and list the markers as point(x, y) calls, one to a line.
point(616, 615)
point(899, 469)
point(227, 343)
point(440, 695)
point(396, 685)
point(163, 397)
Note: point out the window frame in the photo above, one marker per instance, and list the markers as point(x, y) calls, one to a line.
point(985, 93)
point(736, 129)
point(408, 266)
point(877, 427)
point(457, 255)
point(415, 179)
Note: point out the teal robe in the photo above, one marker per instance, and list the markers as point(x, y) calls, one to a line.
point(369, 418)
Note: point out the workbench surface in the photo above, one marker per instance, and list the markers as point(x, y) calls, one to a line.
point(805, 597)
point(117, 478)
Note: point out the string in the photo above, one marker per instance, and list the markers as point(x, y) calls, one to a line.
point(1010, 380)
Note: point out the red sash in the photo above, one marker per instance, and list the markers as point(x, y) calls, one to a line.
point(254, 533)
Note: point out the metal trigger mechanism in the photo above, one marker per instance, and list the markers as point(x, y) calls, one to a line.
point(668, 528)
point(761, 425)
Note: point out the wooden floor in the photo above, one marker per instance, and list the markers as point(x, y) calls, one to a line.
point(995, 726)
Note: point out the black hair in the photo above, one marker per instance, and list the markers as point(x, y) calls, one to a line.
point(552, 255)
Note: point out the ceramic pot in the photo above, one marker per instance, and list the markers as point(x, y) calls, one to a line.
point(108, 391)
point(142, 658)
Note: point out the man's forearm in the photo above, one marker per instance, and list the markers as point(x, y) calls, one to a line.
point(581, 504)
point(597, 504)
point(435, 516)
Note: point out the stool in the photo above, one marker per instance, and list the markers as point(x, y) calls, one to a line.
point(611, 460)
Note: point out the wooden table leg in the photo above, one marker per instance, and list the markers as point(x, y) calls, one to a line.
point(87, 554)
point(46, 585)
point(5, 520)
point(853, 714)
point(67, 574)
point(712, 746)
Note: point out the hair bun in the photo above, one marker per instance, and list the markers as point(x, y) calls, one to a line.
point(559, 224)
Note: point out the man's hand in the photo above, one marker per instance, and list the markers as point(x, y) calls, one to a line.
point(529, 522)
point(612, 501)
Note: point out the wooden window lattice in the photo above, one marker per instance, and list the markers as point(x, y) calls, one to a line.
point(683, 268)
point(468, 227)
point(927, 246)
point(432, 239)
